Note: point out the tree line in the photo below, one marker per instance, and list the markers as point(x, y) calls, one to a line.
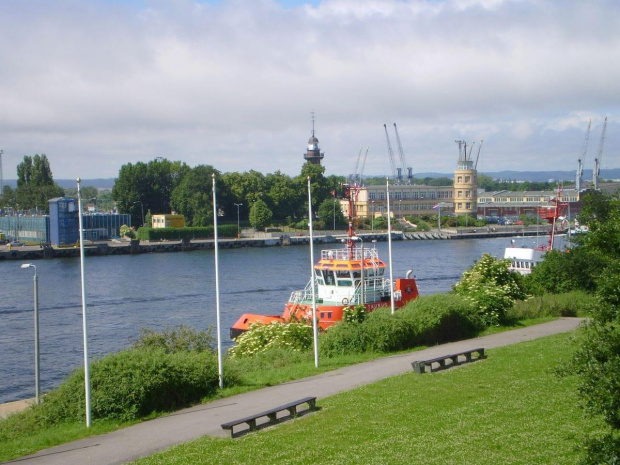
point(163, 186)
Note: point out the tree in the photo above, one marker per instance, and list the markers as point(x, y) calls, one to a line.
point(492, 288)
point(562, 271)
point(260, 215)
point(35, 184)
point(597, 359)
point(319, 185)
point(147, 186)
point(193, 197)
point(8, 198)
point(331, 215)
point(285, 199)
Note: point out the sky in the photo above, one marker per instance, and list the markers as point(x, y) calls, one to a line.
point(96, 84)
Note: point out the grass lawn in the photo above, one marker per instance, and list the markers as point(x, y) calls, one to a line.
point(25, 435)
point(508, 409)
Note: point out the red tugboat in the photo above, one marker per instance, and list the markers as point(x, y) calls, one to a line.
point(344, 277)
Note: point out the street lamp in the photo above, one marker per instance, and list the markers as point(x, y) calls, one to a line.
point(141, 208)
point(439, 205)
point(36, 331)
point(238, 228)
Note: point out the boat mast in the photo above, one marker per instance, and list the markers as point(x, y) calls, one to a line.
point(350, 192)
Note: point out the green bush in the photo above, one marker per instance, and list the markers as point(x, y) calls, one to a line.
point(576, 303)
point(181, 338)
point(442, 318)
point(422, 225)
point(134, 383)
point(261, 337)
point(560, 272)
point(427, 320)
point(207, 232)
point(492, 288)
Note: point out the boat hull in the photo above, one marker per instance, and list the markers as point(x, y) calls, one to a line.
point(328, 314)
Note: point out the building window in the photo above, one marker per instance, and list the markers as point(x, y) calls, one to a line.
point(467, 206)
point(459, 194)
point(467, 194)
point(467, 178)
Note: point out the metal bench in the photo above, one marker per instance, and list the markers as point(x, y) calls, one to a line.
point(272, 414)
point(419, 366)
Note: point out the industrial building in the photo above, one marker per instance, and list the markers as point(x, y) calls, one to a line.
point(61, 226)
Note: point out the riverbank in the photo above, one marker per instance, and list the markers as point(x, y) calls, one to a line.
point(135, 247)
point(146, 438)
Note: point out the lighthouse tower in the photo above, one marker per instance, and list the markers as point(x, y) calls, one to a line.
point(313, 154)
point(465, 184)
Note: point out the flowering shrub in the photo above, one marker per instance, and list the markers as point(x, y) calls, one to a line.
point(261, 337)
point(356, 314)
point(492, 288)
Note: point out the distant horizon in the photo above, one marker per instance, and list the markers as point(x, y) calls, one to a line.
point(607, 173)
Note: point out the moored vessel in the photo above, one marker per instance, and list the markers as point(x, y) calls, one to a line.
point(524, 259)
point(346, 277)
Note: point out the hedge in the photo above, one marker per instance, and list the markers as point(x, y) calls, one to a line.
point(157, 234)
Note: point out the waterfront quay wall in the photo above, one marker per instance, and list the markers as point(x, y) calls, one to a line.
point(134, 247)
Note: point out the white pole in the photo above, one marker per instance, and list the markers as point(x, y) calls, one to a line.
point(84, 315)
point(387, 187)
point(37, 370)
point(315, 328)
point(36, 333)
point(217, 290)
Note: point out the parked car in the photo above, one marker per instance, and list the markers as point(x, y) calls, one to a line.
point(16, 244)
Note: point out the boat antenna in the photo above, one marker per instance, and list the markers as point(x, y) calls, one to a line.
point(350, 194)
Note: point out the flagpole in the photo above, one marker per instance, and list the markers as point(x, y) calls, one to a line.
point(315, 329)
point(217, 289)
point(387, 187)
point(84, 315)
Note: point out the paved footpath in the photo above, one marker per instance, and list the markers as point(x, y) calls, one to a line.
point(204, 420)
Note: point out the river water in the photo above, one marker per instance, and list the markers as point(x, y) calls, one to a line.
point(128, 292)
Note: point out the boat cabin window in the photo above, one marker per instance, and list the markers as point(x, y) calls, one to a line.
point(328, 275)
point(344, 278)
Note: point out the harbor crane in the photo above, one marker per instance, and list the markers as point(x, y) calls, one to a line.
point(390, 153)
point(581, 161)
point(397, 172)
point(402, 157)
point(356, 177)
point(599, 158)
point(478, 156)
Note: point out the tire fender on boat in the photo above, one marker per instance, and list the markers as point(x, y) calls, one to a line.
point(345, 301)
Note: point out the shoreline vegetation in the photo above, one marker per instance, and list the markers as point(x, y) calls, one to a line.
point(186, 356)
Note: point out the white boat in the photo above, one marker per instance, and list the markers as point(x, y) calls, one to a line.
point(523, 259)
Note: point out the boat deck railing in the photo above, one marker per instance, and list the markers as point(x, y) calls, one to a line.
point(358, 253)
point(371, 286)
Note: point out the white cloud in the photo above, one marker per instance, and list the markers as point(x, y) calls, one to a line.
point(98, 84)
